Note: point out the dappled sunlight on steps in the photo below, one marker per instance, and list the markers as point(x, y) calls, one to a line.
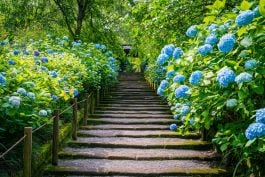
point(129, 136)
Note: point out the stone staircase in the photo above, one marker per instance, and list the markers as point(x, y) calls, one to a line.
point(129, 136)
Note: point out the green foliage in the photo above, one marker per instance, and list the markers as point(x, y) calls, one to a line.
point(45, 72)
point(208, 101)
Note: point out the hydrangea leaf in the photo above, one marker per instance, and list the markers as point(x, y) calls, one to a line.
point(250, 142)
point(246, 42)
point(258, 89)
point(245, 5)
point(242, 31)
point(219, 4)
point(262, 7)
point(209, 19)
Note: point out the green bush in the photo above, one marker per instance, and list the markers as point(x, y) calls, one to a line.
point(223, 67)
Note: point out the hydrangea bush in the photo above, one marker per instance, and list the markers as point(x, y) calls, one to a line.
point(42, 75)
point(223, 59)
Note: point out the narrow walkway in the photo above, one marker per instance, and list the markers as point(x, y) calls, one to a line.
point(129, 136)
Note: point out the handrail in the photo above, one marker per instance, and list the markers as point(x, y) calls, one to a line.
point(38, 128)
point(13, 146)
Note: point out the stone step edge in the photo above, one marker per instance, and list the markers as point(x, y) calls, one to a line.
point(91, 127)
point(182, 145)
point(83, 155)
point(213, 172)
point(139, 122)
point(162, 135)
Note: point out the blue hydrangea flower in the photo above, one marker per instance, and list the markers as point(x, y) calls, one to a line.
point(255, 130)
point(192, 121)
point(43, 113)
point(162, 59)
point(25, 52)
point(31, 95)
point(176, 116)
point(36, 53)
point(22, 91)
point(168, 50)
point(245, 18)
point(195, 77)
point(260, 115)
point(212, 27)
point(211, 39)
point(43, 68)
point(160, 91)
point(226, 43)
point(164, 84)
point(185, 110)
point(173, 127)
point(76, 44)
point(251, 64)
point(178, 52)
point(192, 31)
point(54, 97)
point(183, 118)
point(53, 74)
point(205, 49)
point(76, 92)
point(97, 46)
point(50, 51)
point(223, 28)
point(256, 12)
point(14, 100)
point(44, 60)
point(179, 78)
point(231, 103)
point(170, 74)
point(243, 77)
point(182, 91)
point(225, 76)
point(103, 47)
point(178, 105)
point(65, 38)
point(11, 62)
point(2, 79)
point(16, 52)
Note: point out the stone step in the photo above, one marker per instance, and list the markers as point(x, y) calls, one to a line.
point(132, 108)
point(125, 127)
point(133, 86)
point(133, 98)
point(128, 90)
point(103, 167)
point(129, 115)
point(131, 121)
point(145, 143)
point(133, 112)
point(132, 92)
point(143, 102)
point(136, 134)
point(136, 154)
point(132, 105)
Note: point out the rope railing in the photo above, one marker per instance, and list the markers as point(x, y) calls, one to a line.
point(13, 146)
point(90, 102)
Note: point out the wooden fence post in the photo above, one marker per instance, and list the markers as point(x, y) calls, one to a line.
point(74, 122)
point(203, 134)
point(86, 107)
point(98, 97)
point(55, 137)
point(27, 154)
point(92, 104)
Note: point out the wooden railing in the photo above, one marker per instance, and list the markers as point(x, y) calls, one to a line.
point(90, 102)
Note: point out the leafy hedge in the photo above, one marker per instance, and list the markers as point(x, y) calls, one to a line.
point(215, 81)
point(39, 76)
